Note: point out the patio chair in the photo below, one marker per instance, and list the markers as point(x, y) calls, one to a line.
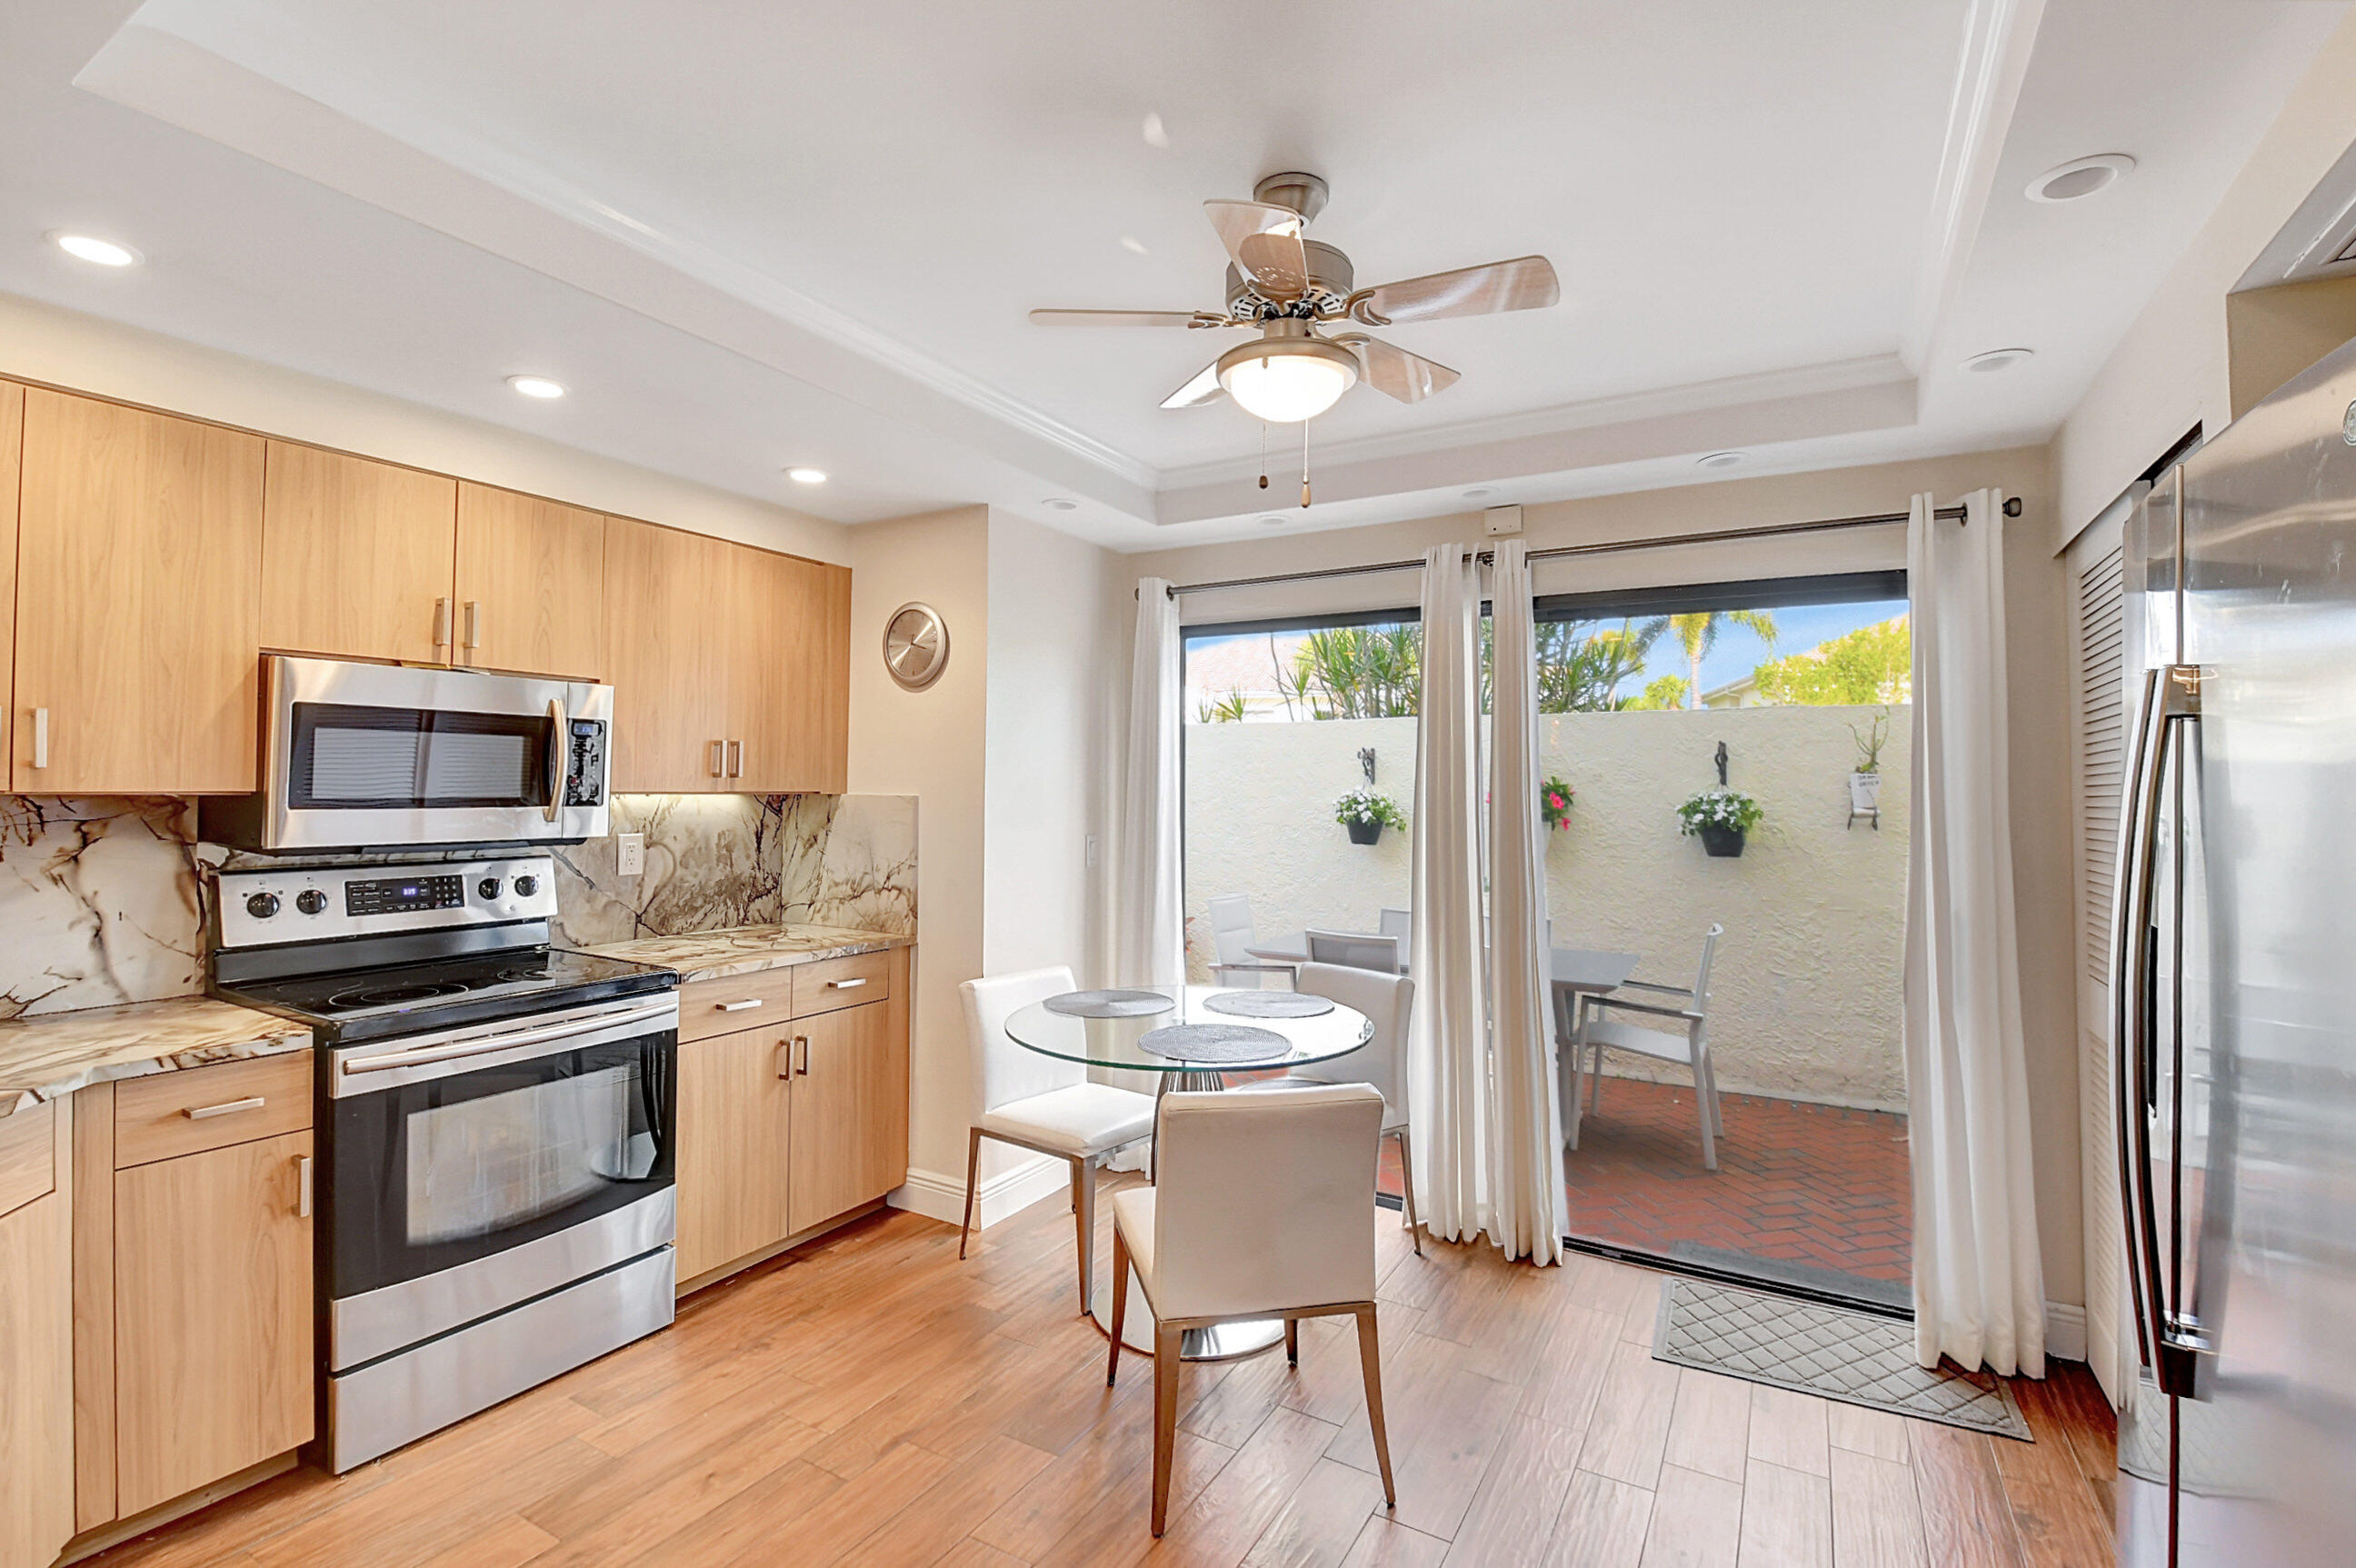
point(1399, 923)
point(1231, 941)
point(1355, 950)
point(1594, 1032)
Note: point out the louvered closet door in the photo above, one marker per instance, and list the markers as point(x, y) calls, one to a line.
point(2099, 677)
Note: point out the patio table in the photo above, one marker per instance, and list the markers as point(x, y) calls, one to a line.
point(1572, 970)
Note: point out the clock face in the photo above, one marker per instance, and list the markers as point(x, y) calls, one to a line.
point(915, 646)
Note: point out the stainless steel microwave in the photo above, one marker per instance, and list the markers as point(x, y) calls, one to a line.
point(367, 756)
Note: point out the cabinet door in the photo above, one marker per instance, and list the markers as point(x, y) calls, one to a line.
point(789, 694)
point(734, 1131)
point(666, 655)
point(139, 592)
point(531, 590)
point(37, 1435)
point(12, 451)
point(851, 1111)
point(357, 556)
point(212, 1314)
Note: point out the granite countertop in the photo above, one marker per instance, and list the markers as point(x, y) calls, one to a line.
point(53, 1054)
point(745, 949)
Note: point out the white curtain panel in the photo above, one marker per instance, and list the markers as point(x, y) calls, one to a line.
point(1448, 1044)
point(1151, 938)
point(1527, 1202)
point(1979, 1290)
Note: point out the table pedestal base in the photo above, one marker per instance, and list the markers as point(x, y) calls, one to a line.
point(1227, 1342)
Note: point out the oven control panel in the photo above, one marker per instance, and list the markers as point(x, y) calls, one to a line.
point(322, 902)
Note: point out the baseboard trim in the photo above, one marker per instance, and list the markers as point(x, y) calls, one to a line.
point(1001, 1197)
point(2066, 1331)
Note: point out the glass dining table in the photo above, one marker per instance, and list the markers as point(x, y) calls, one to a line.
point(1120, 1042)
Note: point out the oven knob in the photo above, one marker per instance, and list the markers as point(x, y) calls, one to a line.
point(262, 906)
point(525, 886)
point(488, 887)
point(311, 901)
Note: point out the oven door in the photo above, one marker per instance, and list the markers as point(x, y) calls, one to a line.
point(475, 1169)
point(365, 755)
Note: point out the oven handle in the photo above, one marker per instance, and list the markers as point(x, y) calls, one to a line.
point(558, 752)
point(488, 1044)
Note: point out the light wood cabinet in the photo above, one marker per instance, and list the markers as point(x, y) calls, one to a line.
point(212, 1316)
point(138, 583)
point(36, 1483)
point(734, 1130)
point(530, 585)
point(850, 1143)
point(790, 697)
point(670, 659)
point(358, 556)
point(12, 452)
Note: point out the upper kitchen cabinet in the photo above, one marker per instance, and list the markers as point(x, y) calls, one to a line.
point(12, 451)
point(530, 585)
point(669, 666)
point(789, 688)
point(138, 602)
point(356, 557)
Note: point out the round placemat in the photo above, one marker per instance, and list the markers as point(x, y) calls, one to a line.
point(1110, 1004)
point(1236, 1045)
point(1270, 1003)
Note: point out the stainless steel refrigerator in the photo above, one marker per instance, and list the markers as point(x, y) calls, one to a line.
point(2234, 993)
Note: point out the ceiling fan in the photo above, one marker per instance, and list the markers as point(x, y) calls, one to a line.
point(1287, 286)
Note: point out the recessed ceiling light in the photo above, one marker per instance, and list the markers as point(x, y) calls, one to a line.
point(89, 248)
point(2080, 177)
point(1132, 244)
point(1057, 503)
point(536, 386)
point(1479, 493)
point(1156, 135)
point(1998, 360)
point(1721, 459)
point(1272, 518)
point(807, 476)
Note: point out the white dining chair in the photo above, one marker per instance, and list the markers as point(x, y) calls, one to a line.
point(1231, 941)
point(1263, 1207)
point(1594, 1032)
point(1355, 950)
point(1399, 923)
point(1387, 1001)
point(1042, 1103)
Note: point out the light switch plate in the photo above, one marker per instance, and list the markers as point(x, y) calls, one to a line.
point(631, 852)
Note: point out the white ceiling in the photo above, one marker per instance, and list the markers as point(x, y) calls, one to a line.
point(752, 236)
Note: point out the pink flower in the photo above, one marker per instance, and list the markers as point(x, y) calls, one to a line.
point(1556, 801)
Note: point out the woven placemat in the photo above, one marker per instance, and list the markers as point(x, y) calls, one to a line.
point(1229, 1044)
point(1110, 1004)
point(1268, 1004)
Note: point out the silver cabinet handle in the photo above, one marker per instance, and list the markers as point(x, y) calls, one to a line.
point(749, 1001)
point(442, 625)
point(473, 627)
point(40, 737)
point(225, 1108)
point(719, 753)
point(303, 1185)
point(785, 1059)
point(846, 984)
point(558, 750)
point(803, 1041)
point(736, 759)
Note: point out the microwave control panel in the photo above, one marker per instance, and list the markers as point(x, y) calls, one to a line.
point(585, 774)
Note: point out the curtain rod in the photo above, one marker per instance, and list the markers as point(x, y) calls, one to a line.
point(1606, 547)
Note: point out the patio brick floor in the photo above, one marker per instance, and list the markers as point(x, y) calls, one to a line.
point(1819, 1185)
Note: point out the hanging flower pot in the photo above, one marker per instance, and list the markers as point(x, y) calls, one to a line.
point(1720, 818)
point(1365, 832)
point(1721, 841)
point(1366, 815)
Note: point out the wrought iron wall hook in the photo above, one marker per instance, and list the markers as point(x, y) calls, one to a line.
point(1722, 765)
point(1367, 761)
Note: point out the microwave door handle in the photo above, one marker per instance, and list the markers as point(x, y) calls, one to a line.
point(558, 724)
point(2131, 957)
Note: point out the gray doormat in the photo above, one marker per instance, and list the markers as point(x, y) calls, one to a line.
point(1775, 1270)
point(1846, 1355)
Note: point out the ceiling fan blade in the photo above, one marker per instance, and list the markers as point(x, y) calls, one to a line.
point(1126, 319)
point(1393, 371)
point(1527, 283)
point(1202, 388)
point(1265, 242)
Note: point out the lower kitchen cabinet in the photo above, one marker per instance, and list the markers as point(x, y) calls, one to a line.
point(212, 1316)
point(36, 1339)
point(735, 1116)
point(850, 1143)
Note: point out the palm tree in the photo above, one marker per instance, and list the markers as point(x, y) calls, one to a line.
point(1698, 634)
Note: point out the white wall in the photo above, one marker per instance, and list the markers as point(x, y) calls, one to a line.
point(40, 342)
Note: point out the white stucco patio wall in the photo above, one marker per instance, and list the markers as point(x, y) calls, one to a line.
point(1805, 997)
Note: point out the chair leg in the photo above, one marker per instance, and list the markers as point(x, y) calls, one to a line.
point(1120, 1303)
point(1702, 1098)
point(1407, 1190)
point(1165, 1419)
point(1084, 1216)
point(1595, 1080)
point(1292, 1341)
point(972, 1162)
point(1573, 1093)
point(1370, 1359)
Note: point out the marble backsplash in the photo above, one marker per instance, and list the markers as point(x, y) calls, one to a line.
point(103, 901)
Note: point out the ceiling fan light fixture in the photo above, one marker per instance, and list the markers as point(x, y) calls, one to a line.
point(1287, 380)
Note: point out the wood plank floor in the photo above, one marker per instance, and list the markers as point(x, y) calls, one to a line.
point(872, 1399)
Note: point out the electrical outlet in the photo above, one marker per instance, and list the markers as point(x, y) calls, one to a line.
point(632, 853)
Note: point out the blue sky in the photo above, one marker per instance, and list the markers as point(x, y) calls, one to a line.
point(1739, 650)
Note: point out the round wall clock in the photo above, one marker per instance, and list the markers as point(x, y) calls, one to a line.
point(915, 646)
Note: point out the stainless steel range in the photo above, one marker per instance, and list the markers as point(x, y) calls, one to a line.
point(497, 1121)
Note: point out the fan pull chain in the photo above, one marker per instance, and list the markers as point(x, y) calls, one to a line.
point(1304, 465)
point(1263, 454)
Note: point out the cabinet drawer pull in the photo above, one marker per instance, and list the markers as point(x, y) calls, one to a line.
point(303, 1184)
point(440, 625)
point(846, 984)
point(473, 626)
point(737, 1006)
point(225, 1108)
point(803, 1069)
point(719, 758)
point(40, 737)
point(736, 759)
point(785, 1059)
